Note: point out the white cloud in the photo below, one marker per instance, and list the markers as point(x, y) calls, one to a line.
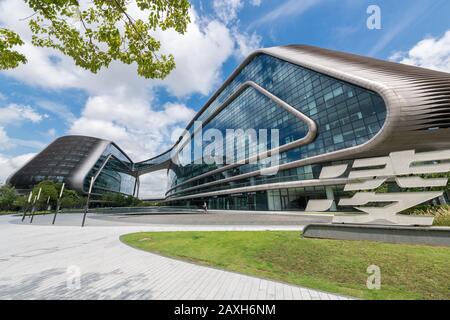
point(14, 114)
point(246, 44)
point(199, 56)
point(255, 3)
point(402, 24)
point(138, 129)
point(132, 123)
point(9, 165)
point(98, 128)
point(227, 10)
point(389, 35)
point(5, 143)
point(34, 144)
point(51, 132)
point(48, 68)
point(120, 105)
point(287, 9)
point(61, 110)
point(432, 53)
point(153, 185)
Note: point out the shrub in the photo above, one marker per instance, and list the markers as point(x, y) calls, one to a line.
point(48, 190)
point(114, 199)
point(7, 197)
point(71, 199)
point(441, 214)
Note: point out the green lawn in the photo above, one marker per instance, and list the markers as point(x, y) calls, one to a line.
point(20, 213)
point(407, 271)
point(5, 213)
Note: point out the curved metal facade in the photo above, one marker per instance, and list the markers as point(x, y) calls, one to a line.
point(59, 161)
point(74, 160)
point(336, 109)
point(329, 107)
point(417, 105)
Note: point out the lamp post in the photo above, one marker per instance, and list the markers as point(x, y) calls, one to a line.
point(58, 203)
point(48, 201)
point(36, 198)
point(27, 206)
point(87, 201)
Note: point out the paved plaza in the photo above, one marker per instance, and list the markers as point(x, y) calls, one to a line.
point(41, 261)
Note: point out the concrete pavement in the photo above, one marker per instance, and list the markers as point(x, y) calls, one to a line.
point(66, 261)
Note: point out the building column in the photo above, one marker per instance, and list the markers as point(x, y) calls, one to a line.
point(136, 187)
point(330, 196)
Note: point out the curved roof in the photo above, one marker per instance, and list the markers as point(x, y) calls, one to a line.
point(418, 99)
point(65, 158)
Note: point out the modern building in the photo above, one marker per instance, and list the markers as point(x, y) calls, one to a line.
point(74, 160)
point(329, 108)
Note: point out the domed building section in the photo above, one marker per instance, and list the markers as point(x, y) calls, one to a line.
point(74, 160)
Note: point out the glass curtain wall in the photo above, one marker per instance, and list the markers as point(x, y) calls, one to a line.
point(116, 174)
point(346, 115)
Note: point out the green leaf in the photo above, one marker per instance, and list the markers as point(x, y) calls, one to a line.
point(103, 31)
point(9, 58)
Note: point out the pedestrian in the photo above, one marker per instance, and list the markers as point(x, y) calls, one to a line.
point(205, 207)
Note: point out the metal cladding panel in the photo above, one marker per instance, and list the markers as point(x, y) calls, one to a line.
point(160, 162)
point(66, 159)
point(417, 99)
point(76, 180)
point(417, 102)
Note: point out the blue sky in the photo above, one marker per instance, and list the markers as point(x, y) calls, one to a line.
point(51, 97)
